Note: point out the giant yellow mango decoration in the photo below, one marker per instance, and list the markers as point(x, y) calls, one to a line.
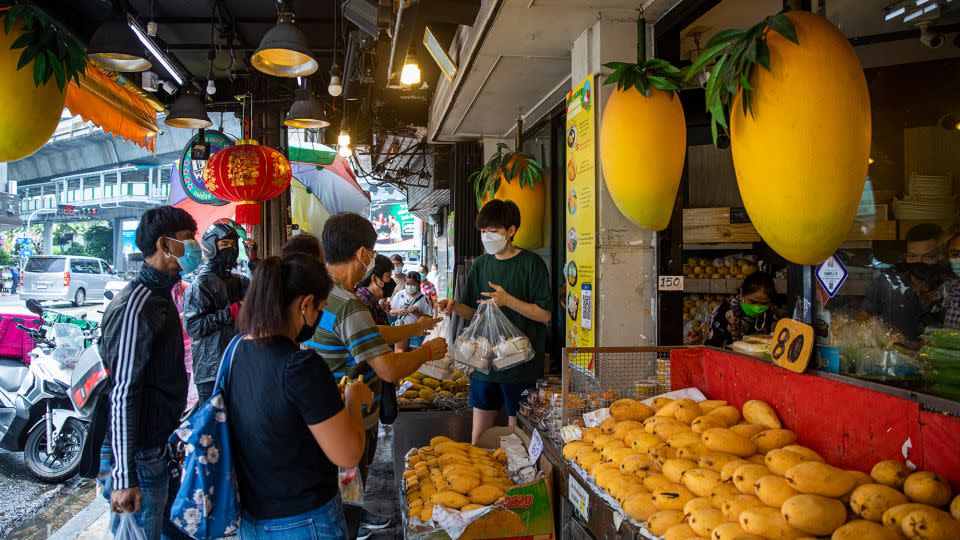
point(801, 159)
point(28, 115)
point(530, 202)
point(643, 141)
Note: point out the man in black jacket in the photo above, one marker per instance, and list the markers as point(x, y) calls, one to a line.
point(212, 303)
point(142, 345)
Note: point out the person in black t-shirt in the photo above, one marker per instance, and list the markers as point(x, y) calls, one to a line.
point(289, 426)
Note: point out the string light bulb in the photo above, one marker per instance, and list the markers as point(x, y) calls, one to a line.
point(344, 138)
point(345, 152)
point(410, 74)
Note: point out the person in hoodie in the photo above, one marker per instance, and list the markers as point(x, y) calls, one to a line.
point(212, 303)
point(142, 345)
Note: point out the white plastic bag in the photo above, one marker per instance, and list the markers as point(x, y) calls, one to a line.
point(492, 342)
point(127, 528)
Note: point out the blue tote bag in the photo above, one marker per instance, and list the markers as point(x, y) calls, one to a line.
point(208, 503)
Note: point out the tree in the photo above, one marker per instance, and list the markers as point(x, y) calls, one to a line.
point(61, 234)
point(99, 242)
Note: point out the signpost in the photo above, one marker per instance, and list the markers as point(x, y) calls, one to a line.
point(831, 274)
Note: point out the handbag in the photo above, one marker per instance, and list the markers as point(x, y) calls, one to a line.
point(208, 503)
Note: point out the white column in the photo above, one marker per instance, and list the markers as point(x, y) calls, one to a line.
point(626, 254)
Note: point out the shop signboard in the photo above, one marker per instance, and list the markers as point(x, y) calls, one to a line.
point(396, 227)
point(581, 213)
point(831, 274)
point(128, 237)
point(191, 170)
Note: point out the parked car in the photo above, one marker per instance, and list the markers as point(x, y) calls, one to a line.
point(65, 278)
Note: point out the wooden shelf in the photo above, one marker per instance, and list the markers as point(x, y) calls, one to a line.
point(851, 287)
point(712, 226)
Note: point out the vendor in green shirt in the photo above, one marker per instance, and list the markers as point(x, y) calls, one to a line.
point(517, 281)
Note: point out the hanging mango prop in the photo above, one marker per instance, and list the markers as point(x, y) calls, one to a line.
point(38, 58)
point(28, 114)
point(515, 176)
point(643, 142)
point(799, 130)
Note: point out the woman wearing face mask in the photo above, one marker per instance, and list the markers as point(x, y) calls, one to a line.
point(951, 305)
point(289, 441)
point(745, 313)
point(408, 306)
point(426, 286)
point(516, 280)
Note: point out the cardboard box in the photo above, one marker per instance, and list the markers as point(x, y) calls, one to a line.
point(529, 512)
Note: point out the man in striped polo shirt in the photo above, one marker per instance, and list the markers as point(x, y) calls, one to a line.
point(347, 337)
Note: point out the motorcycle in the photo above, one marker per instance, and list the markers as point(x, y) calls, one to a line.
point(37, 413)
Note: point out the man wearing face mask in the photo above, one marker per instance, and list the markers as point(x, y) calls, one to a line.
point(516, 280)
point(142, 346)
point(351, 342)
point(951, 249)
point(376, 288)
point(912, 297)
point(212, 303)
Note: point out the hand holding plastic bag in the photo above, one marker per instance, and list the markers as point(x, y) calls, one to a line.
point(492, 342)
point(127, 529)
point(351, 486)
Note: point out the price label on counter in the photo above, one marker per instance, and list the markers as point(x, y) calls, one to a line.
point(578, 497)
point(404, 387)
point(536, 446)
point(670, 283)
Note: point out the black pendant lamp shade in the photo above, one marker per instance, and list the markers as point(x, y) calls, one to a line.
point(306, 112)
point(284, 50)
point(115, 47)
point(188, 111)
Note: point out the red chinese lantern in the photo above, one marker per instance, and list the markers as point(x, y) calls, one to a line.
point(247, 174)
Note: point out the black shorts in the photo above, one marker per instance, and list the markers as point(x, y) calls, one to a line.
point(492, 396)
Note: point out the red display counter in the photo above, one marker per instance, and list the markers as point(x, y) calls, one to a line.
point(851, 423)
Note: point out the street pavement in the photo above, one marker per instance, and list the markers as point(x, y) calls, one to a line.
point(30, 508)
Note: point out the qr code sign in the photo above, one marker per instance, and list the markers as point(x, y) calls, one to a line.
point(586, 306)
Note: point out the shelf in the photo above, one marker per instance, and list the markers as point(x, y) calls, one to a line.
point(851, 287)
point(713, 226)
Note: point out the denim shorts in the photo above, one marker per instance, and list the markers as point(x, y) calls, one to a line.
point(323, 523)
point(492, 396)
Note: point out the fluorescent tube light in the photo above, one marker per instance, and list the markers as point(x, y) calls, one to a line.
point(152, 47)
point(894, 14)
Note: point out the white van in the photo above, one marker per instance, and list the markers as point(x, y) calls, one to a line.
point(64, 278)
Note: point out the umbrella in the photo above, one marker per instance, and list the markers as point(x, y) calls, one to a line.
point(204, 214)
point(323, 184)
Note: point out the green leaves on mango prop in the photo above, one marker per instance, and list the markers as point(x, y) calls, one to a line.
point(52, 49)
point(505, 166)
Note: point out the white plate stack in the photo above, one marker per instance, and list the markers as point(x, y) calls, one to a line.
point(928, 198)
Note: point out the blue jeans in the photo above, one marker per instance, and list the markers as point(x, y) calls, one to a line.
point(153, 474)
point(326, 522)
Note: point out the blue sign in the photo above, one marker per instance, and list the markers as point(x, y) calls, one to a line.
point(831, 274)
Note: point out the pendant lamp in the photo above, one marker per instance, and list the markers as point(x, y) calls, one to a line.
point(284, 50)
point(306, 112)
point(115, 47)
point(188, 111)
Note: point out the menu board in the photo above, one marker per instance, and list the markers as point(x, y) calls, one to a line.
point(581, 214)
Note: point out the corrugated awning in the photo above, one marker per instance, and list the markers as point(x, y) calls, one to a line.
point(112, 104)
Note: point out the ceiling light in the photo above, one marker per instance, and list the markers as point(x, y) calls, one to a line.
point(284, 50)
point(188, 111)
point(114, 47)
point(344, 138)
point(211, 87)
point(345, 152)
point(894, 14)
point(871, 161)
point(411, 70)
point(913, 15)
point(154, 50)
point(306, 112)
point(336, 87)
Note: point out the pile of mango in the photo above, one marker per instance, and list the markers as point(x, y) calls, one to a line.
point(425, 389)
point(708, 470)
point(454, 475)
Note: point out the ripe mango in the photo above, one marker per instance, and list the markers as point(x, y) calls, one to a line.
point(450, 499)
point(747, 430)
point(659, 522)
point(608, 425)
point(673, 469)
point(693, 451)
point(630, 409)
point(726, 473)
point(688, 412)
point(955, 508)
point(696, 504)
point(715, 460)
point(572, 449)
point(644, 442)
point(721, 493)
point(659, 403)
point(728, 531)
point(700, 481)
point(665, 431)
point(779, 461)
point(893, 517)
point(762, 414)
point(890, 473)
point(871, 501)
point(430, 382)
point(862, 530)
point(746, 476)
point(711, 404)
point(669, 410)
point(774, 490)
point(620, 429)
point(640, 507)
point(813, 477)
point(767, 522)
point(930, 524)
point(672, 499)
point(682, 439)
point(637, 463)
point(485, 494)
point(705, 422)
point(601, 440)
point(704, 521)
point(427, 394)
point(662, 453)
point(682, 531)
point(655, 481)
point(813, 514)
point(734, 506)
point(808, 454)
point(724, 440)
point(729, 415)
point(927, 488)
point(773, 439)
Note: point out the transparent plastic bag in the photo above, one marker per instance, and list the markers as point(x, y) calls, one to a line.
point(492, 342)
point(70, 340)
point(127, 528)
point(351, 486)
point(696, 330)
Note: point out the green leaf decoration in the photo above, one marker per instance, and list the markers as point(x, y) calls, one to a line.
point(653, 73)
point(505, 166)
point(730, 57)
point(47, 44)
